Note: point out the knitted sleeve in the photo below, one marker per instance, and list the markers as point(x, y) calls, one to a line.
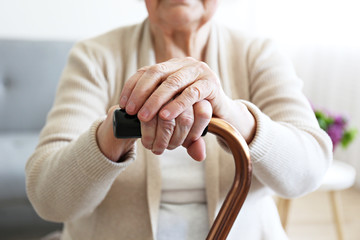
point(67, 176)
point(290, 153)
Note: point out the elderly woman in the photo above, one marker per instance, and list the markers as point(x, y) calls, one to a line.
point(175, 70)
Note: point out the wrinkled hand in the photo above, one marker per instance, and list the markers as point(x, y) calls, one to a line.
point(159, 134)
point(174, 101)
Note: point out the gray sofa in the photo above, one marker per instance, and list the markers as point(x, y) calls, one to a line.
point(29, 73)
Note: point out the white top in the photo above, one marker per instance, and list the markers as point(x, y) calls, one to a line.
point(183, 209)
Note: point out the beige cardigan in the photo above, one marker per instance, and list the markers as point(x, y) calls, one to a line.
point(69, 180)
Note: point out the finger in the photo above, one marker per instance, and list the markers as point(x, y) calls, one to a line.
point(148, 82)
point(172, 85)
point(129, 86)
point(199, 90)
point(183, 125)
point(197, 150)
point(202, 117)
point(164, 131)
point(148, 133)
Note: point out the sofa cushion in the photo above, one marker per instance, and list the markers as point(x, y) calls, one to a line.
point(15, 149)
point(29, 73)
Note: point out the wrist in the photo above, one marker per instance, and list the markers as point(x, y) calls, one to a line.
point(237, 114)
point(112, 148)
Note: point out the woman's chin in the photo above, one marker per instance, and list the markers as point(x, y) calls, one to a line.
point(180, 20)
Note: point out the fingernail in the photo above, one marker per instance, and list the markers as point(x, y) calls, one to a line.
point(165, 114)
point(123, 101)
point(130, 107)
point(157, 152)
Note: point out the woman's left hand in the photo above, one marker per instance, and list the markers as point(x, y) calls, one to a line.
point(171, 87)
point(168, 91)
point(166, 96)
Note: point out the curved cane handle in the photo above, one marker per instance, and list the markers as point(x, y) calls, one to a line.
point(127, 126)
point(242, 180)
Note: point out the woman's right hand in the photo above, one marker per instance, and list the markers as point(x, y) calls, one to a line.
point(158, 134)
point(112, 147)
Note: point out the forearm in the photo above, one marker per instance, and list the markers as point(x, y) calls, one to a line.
point(68, 175)
point(65, 181)
point(289, 151)
point(290, 158)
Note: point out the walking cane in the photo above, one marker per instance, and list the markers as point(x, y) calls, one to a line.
point(128, 126)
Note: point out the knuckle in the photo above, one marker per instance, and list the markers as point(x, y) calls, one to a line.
point(180, 104)
point(202, 65)
point(142, 69)
point(168, 127)
point(152, 71)
point(174, 81)
point(191, 59)
point(186, 121)
point(203, 109)
point(175, 78)
point(193, 92)
point(159, 68)
point(203, 114)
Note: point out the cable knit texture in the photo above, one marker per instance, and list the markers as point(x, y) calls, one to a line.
point(69, 180)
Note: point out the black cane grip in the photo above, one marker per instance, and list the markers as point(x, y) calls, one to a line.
point(128, 126)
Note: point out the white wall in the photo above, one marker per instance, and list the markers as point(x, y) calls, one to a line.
point(65, 19)
point(325, 22)
point(77, 19)
point(288, 21)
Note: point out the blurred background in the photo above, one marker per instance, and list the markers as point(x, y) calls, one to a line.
point(321, 37)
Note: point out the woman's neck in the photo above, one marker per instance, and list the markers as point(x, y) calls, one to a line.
point(180, 43)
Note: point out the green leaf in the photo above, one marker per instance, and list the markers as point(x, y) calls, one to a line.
point(323, 124)
point(348, 137)
point(323, 120)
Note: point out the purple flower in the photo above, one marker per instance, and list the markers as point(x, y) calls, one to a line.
point(336, 126)
point(335, 132)
point(339, 120)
